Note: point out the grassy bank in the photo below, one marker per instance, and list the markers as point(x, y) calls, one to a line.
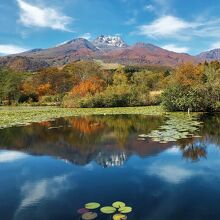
point(16, 116)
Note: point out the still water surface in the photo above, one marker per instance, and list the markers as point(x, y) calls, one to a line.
point(50, 170)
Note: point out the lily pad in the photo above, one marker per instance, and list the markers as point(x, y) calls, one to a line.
point(119, 217)
point(92, 205)
point(178, 126)
point(118, 204)
point(89, 216)
point(108, 210)
point(125, 209)
point(83, 210)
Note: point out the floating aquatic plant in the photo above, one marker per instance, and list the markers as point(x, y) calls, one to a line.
point(83, 210)
point(118, 204)
point(177, 126)
point(125, 209)
point(92, 205)
point(89, 216)
point(119, 217)
point(108, 210)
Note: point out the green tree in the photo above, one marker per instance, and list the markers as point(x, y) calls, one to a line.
point(10, 83)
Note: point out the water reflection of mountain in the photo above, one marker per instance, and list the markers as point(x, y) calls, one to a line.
point(108, 140)
point(106, 159)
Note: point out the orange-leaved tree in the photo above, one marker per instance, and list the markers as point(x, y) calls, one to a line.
point(90, 86)
point(188, 74)
point(43, 89)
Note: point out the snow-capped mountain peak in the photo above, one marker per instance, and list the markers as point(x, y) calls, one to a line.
point(109, 42)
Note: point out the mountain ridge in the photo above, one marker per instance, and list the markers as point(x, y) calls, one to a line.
point(210, 55)
point(111, 49)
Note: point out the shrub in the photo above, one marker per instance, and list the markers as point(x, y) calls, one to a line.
point(180, 98)
point(33, 97)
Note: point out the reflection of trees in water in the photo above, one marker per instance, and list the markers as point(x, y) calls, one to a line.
point(82, 139)
point(108, 139)
point(195, 149)
point(211, 128)
point(86, 126)
point(192, 150)
point(123, 125)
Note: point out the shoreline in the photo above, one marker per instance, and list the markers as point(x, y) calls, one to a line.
point(11, 116)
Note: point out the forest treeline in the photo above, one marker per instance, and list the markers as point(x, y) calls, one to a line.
point(86, 84)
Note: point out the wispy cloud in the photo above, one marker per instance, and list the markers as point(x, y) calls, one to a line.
point(36, 191)
point(175, 48)
point(130, 21)
point(162, 6)
point(169, 26)
point(39, 16)
point(86, 36)
point(6, 49)
point(170, 173)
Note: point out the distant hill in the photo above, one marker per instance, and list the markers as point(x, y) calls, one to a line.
point(22, 63)
point(64, 53)
point(110, 49)
point(210, 55)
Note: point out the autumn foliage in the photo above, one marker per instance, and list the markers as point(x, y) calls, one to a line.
point(91, 86)
point(188, 74)
point(43, 89)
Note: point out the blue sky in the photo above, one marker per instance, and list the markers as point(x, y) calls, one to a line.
point(188, 26)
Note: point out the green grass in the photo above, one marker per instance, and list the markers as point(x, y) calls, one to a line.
point(17, 116)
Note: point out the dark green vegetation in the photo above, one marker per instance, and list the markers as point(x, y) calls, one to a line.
point(86, 84)
point(196, 88)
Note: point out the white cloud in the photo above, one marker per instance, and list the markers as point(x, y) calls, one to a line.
point(169, 26)
point(170, 173)
point(11, 156)
point(86, 36)
point(6, 49)
point(34, 192)
point(175, 48)
point(164, 26)
point(39, 16)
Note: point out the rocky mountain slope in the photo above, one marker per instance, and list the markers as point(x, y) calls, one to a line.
point(146, 54)
point(109, 42)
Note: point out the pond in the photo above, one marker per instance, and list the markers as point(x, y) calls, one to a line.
point(163, 167)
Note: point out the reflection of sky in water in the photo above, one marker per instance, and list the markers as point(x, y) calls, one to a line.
point(157, 181)
point(154, 186)
point(11, 156)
